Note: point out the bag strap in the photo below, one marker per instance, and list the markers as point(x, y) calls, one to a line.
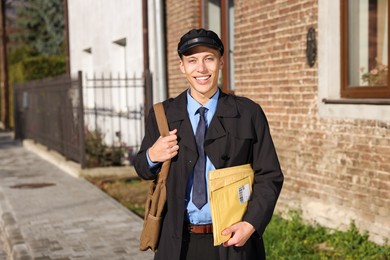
point(161, 119)
point(164, 131)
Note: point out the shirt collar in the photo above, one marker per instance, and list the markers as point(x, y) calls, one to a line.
point(193, 105)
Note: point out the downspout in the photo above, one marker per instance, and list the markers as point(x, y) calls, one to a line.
point(4, 84)
point(148, 99)
point(66, 25)
point(161, 51)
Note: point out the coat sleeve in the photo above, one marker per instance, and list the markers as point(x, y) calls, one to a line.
point(268, 178)
point(151, 135)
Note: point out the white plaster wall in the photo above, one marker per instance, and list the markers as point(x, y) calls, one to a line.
point(96, 24)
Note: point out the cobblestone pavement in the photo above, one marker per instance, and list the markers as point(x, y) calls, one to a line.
point(49, 214)
point(4, 254)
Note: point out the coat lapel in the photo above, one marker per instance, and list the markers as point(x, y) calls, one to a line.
point(216, 137)
point(178, 118)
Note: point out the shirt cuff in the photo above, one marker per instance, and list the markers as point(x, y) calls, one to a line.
point(150, 163)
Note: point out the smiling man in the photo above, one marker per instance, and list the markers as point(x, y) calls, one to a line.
point(201, 65)
point(209, 130)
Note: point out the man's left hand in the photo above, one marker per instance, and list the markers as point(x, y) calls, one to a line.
point(240, 231)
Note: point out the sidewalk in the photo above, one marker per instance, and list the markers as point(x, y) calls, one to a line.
point(47, 213)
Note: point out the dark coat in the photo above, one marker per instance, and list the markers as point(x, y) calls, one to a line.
point(238, 134)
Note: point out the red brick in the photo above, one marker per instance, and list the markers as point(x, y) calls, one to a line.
point(341, 162)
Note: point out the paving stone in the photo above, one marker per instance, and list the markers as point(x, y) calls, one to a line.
point(70, 219)
point(4, 253)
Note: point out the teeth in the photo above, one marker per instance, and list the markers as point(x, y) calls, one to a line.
point(202, 78)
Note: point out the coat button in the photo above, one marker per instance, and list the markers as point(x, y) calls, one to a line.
point(225, 157)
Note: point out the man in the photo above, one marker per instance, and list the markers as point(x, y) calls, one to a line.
point(232, 131)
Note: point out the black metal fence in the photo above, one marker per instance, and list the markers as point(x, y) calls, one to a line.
point(114, 105)
point(59, 112)
point(50, 112)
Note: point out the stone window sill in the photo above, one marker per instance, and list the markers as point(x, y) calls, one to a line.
point(343, 101)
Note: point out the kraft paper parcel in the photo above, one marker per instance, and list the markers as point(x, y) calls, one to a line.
point(230, 190)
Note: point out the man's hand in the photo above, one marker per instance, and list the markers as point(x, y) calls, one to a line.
point(164, 148)
point(240, 231)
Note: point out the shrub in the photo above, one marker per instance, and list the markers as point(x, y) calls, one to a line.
point(98, 154)
point(38, 67)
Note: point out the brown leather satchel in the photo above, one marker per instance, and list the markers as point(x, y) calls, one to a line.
point(157, 196)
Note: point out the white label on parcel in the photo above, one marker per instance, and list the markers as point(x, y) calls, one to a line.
point(244, 193)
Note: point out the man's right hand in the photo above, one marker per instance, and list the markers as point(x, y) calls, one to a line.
point(164, 148)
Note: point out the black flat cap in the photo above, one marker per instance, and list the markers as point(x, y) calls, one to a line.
point(199, 37)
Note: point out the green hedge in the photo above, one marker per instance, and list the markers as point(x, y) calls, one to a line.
point(32, 68)
point(38, 67)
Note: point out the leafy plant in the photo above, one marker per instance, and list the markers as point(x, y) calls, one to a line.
point(294, 239)
point(38, 67)
point(98, 154)
point(376, 76)
point(95, 148)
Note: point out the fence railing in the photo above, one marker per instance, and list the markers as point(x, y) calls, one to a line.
point(51, 112)
point(115, 106)
point(58, 112)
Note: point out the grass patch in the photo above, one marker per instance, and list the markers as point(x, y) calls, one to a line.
point(293, 239)
point(129, 191)
point(284, 239)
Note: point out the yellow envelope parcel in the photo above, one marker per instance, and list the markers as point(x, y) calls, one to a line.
point(230, 190)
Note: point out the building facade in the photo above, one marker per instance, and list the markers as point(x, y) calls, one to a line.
point(107, 42)
point(333, 140)
point(318, 68)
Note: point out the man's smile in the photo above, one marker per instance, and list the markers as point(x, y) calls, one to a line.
point(203, 78)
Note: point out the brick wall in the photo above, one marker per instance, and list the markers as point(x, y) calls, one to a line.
point(335, 170)
point(181, 16)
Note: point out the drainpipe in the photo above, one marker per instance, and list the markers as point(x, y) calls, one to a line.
point(5, 117)
point(161, 51)
point(66, 25)
point(147, 76)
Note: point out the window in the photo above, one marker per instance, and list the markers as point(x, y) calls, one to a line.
point(330, 103)
point(364, 49)
point(218, 15)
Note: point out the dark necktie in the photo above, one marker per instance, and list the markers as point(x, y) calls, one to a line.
point(199, 195)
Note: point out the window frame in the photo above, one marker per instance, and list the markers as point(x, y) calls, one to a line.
point(224, 37)
point(348, 91)
point(330, 104)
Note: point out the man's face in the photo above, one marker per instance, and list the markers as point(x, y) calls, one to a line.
point(201, 68)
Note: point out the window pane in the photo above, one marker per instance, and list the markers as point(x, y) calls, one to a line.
point(367, 44)
point(214, 16)
point(214, 22)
